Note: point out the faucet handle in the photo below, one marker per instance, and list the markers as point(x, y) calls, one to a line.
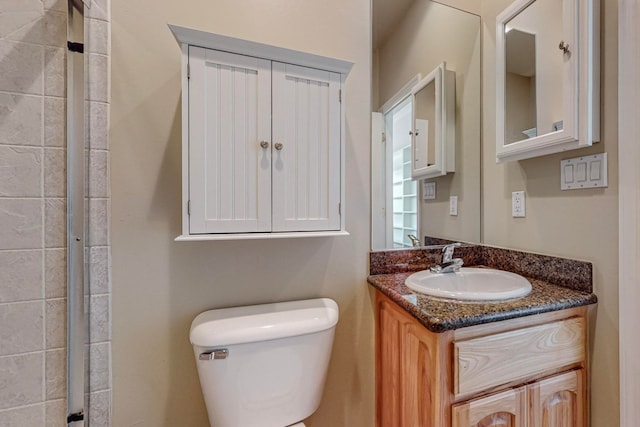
point(414, 240)
point(447, 251)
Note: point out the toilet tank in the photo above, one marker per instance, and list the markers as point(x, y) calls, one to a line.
point(264, 365)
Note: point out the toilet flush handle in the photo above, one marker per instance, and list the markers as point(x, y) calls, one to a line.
point(214, 354)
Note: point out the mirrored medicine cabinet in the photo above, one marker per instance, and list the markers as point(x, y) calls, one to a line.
point(433, 131)
point(547, 88)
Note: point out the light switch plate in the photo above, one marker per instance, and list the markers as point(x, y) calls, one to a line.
point(453, 205)
point(429, 191)
point(584, 172)
point(518, 204)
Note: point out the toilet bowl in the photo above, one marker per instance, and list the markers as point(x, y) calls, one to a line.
point(264, 365)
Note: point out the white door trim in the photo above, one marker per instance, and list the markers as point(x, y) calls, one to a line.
point(629, 208)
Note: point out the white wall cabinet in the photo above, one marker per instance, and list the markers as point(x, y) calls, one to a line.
point(547, 78)
point(263, 152)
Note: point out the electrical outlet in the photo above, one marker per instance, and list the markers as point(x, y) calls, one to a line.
point(453, 205)
point(517, 204)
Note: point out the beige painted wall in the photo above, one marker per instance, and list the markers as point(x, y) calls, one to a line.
point(576, 224)
point(416, 47)
point(159, 285)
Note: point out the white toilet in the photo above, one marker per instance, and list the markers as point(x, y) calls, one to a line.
point(264, 365)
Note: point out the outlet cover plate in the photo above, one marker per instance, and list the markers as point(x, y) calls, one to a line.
point(584, 172)
point(518, 204)
point(453, 205)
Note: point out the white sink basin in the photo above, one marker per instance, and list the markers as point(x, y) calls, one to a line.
point(470, 284)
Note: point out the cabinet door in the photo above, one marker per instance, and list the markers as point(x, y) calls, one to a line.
point(306, 161)
point(229, 116)
point(405, 356)
point(558, 401)
point(505, 409)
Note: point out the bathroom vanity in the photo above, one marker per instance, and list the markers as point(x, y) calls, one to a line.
point(447, 363)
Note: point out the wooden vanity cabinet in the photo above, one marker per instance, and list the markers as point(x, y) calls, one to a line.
point(523, 372)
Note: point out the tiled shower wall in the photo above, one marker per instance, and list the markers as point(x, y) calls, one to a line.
point(33, 213)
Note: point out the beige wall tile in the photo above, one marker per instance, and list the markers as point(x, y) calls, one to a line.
point(55, 374)
point(55, 323)
point(55, 172)
point(99, 323)
point(98, 174)
point(21, 379)
point(21, 225)
point(97, 363)
point(32, 415)
point(54, 122)
point(100, 9)
point(97, 78)
point(20, 171)
point(55, 223)
point(57, 5)
point(97, 36)
point(99, 405)
point(20, 119)
point(21, 67)
point(55, 29)
point(55, 273)
point(99, 270)
point(54, 71)
point(98, 125)
point(98, 222)
point(21, 20)
point(56, 413)
point(20, 275)
point(21, 326)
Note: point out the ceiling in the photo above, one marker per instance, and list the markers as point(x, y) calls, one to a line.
point(386, 16)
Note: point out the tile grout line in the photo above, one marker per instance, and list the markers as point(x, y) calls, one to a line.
point(43, 228)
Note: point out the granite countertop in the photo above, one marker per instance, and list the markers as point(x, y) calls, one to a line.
point(549, 291)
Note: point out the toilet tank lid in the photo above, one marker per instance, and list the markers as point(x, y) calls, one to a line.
point(238, 325)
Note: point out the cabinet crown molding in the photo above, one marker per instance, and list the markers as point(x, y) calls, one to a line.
point(189, 36)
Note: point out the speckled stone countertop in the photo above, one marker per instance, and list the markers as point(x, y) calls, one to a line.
point(557, 284)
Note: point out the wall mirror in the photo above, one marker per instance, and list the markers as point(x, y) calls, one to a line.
point(411, 39)
point(547, 78)
point(434, 117)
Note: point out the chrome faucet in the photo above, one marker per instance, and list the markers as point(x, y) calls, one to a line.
point(448, 264)
point(414, 240)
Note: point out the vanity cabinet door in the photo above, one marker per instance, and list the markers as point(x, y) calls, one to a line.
point(306, 155)
point(229, 117)
point(558, 401)
point(505, 409)
point(406, 355)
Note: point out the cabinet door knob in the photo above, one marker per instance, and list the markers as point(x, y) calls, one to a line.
point(264, 144)
point(278, 146)
point(564, 47)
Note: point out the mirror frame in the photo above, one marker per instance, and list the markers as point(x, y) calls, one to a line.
point(445, 125)
point(581, 83)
